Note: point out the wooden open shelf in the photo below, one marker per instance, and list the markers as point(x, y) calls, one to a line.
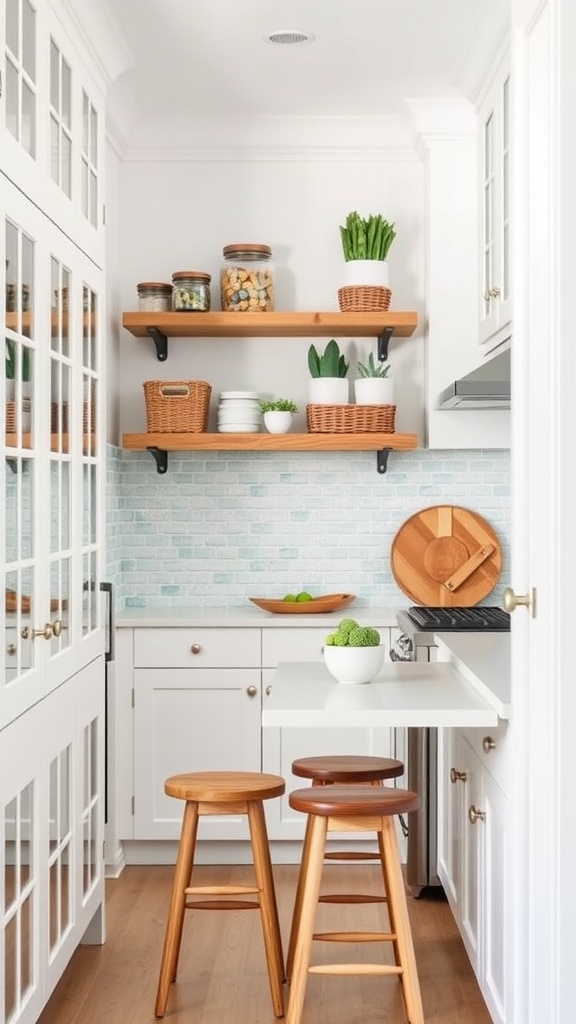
point(160, 444)
point(161, 326)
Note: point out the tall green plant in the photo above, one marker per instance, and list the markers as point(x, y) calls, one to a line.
point(367, 238)
point(11, 361)
point(330, 364)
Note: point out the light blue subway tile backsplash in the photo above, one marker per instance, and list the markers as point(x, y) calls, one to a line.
point(216, 530)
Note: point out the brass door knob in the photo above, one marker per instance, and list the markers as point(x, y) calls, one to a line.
point(475, 815)
point(488, 744)
point(56, 627)
point(251, 691)
point(512, 600)
point(456, 776)
point(30, 634)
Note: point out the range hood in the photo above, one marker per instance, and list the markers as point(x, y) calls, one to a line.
point(488, 387)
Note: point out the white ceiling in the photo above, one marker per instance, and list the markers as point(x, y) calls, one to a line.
point(366, 56)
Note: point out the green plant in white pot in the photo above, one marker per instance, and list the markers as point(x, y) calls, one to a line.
point(278, 413)
point(366, 243)
point(373, 386)
point(328, 384)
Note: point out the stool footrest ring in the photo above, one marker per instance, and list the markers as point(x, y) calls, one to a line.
point(353, 897)
point(354, 936)
point(354, 969)
point(222, 905)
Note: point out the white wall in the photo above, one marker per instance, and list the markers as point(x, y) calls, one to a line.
point(177, 213)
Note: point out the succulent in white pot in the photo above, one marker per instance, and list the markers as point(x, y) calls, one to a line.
point(373, 386)
point(278, 414)
point(366, 243)
point(329, 384)
point(354, 653)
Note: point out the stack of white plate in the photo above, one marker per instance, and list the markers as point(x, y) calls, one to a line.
point(239, 412)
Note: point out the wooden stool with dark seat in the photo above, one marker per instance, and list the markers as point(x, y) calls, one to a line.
point(339, 769)
point(210, 793)
point(359, 809)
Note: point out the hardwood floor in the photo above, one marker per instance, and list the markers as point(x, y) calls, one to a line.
point(222, 975)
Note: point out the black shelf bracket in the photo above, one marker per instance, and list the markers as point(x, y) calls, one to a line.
point(161, 342)
point(383, 342)
point(160, 458)
point(382, 459)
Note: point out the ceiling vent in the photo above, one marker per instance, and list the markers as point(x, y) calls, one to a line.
point(288, 37)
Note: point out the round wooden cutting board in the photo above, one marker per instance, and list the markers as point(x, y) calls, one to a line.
point(446, 555)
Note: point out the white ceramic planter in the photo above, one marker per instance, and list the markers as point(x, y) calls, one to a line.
point(366, 272)
point(354, 664)
point(374, 391)
point(277, 421)
point(329, 391)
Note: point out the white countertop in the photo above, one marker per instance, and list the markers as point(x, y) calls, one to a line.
point(250, 615)
point(470, 689)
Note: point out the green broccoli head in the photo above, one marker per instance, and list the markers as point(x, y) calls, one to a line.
point(345, 626)
point(364, 636)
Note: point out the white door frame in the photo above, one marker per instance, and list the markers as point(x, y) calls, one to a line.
point(542, 910)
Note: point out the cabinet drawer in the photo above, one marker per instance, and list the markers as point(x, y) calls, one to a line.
point(292, 645)
point(187, 647)
point(495, 760)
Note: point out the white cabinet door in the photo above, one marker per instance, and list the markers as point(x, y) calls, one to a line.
point(51, 835)
point(188, 720)
point(52, 122)
point(494, 968)
point(494, 148)
point(451, 814)
point(472, 855)
point(52, 470)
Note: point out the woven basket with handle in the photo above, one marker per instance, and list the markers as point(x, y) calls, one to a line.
point(177, 406)
point(350, 419)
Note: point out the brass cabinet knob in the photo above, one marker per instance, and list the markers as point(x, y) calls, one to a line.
point(251, 691)
point(11, 649)
point(268, 690)
point(488, 744)
point(195, 648)
point(30, 634)
point(492, 293)
point(475, 815)
point(456, 776)
point(512, 600)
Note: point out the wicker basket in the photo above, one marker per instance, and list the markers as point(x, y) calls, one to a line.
point(88, 417)
point(350, 419)
point(360, 298)
point(176, 406)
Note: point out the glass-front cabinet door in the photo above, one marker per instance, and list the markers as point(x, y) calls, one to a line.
point(51, 122)
point(51, 470)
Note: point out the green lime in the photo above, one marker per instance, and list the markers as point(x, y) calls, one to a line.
point(303, 596)
point(290, 597)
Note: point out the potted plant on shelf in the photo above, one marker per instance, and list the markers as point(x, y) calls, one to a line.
point(12, 371)
point(366, 243)
point(329, 384)
point(373, 386)
point(278, 414)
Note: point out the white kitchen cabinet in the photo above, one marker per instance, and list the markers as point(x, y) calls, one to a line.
point(51, 836)
point(196, 707)
point(472, 849)
point(52, 121)
point(494, 205)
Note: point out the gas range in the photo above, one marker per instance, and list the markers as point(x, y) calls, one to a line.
point(421, 623)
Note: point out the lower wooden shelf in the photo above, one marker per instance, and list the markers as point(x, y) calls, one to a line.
point(160, 444)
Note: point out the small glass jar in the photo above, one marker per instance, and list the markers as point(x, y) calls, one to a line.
point(154, 297)
point(247, 278)
point(191, 291)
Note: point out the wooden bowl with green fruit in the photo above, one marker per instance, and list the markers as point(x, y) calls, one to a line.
point(304, 603)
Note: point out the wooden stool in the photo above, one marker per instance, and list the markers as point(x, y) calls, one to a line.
point(209, 793)
point(358, 809)
point(343, 769)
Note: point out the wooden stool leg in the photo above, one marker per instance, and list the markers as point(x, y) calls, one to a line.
point(268, 907)
point(400, 923)
point(303, 945)
point(297, 912)
point(174, 924)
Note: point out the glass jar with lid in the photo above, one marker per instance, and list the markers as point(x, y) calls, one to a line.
point(191, 291)
point(153, 297)
point(247, 278)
